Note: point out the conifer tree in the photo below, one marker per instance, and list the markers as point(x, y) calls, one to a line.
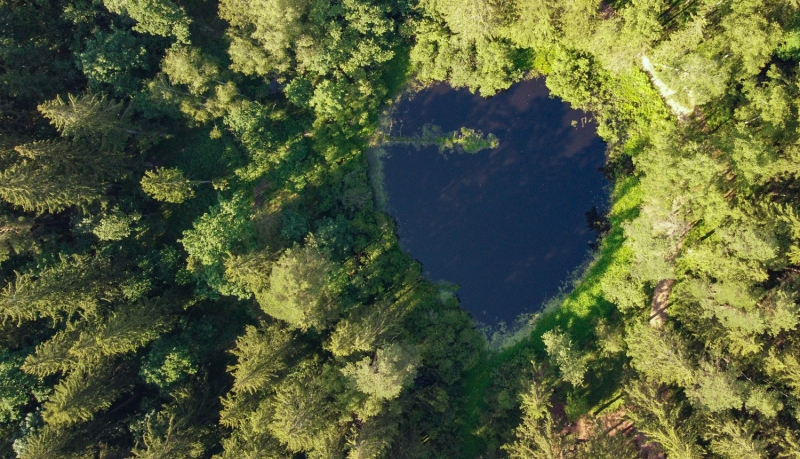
point(40, 187)
point(261, 357)
point(537, 436)
point(54, 175)
point(15, 237)
point(659, 418)
point(91, 117)
point(238, 411)
point(784, 368)
point(168, 185)
point(82, 393)
point(736, 440)
point(167, 436)
point(373, 438)
point(72, 284)
point(157, 17)
point(305, 414)
point(53, 356)
point(47, 443)
point(298, 292)
point(250, 271)
point(133, 326)
point(252, 444)
point(606, 442)
point(385, 375)
point(247, 409)
point(128, 328)
point(81, 161)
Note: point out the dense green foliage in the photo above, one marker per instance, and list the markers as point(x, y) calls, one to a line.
point(148, 313)
point(194, 265)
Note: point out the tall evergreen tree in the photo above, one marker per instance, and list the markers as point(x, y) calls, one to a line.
point(47, 443)
point(298, 292)
point(53, 356)
point(83, 393)
point(305, 412)
point(157, 17)
point(91, 117)
point(168, 185)
point(537, 436)
point(261, 357)
point(43, 185)
point(71, 284)
point(57, 174)
point(660, 419)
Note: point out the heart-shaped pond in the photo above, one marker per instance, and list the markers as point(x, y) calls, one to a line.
point(507, 225)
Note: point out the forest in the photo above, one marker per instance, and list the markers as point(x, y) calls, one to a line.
point(194, 266)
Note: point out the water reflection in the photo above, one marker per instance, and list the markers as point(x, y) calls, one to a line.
point(507, 225)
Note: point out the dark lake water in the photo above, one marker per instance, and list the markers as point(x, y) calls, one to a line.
point(506, 225)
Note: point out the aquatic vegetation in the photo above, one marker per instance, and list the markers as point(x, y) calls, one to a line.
point(465, 140)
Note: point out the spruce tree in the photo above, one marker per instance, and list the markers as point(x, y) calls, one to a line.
point(250, 271)
point(53, 356)
point(734, 439)
point(168, 435)
point(305, 413)
point(82, 161)
point(168, 185)
point(252, 443)
point(91, 117)
point(298, 292)
point(36, 186)
point(373, 438)
point(537, 436)
point(57, 174)
point(15, 236)
point(131, 327)
point(261, 357)
point(49, 442)
point(70, 285)
point(659, 418)
point(84, 392)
